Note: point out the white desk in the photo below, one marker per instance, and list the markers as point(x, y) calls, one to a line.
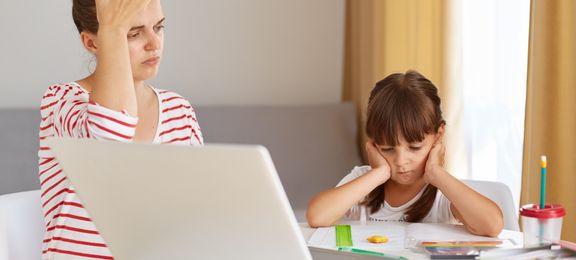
point(307, 231)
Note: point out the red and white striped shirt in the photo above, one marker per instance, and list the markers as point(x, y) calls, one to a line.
point(66, 111)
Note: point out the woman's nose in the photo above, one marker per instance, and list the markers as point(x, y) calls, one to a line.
point(153, 43)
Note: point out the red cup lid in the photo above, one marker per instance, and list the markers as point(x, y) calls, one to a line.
point(549, 211)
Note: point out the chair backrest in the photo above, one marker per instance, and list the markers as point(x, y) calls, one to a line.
point(501, 195)
point(21, 226)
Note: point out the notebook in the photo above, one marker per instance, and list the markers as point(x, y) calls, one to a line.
point(180, 202)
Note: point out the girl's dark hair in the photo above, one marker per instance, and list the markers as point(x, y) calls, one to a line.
point(84, 15)
point(404, 104)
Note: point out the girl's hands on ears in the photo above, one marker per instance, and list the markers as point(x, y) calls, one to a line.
point(118, 14)
point(378, 163)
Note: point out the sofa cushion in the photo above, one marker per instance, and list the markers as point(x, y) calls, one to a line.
point(312, 146)
point(18, 150)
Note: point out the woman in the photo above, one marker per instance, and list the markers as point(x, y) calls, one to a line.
point(113, 103)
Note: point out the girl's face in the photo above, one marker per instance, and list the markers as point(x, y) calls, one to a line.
point(146, 41)
point(408, 160)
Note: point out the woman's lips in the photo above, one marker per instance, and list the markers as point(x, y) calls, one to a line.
point(152, 61)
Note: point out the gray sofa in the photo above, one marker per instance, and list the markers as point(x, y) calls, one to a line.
point(313, 147)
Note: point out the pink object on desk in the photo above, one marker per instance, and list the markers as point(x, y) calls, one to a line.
point(567, 244)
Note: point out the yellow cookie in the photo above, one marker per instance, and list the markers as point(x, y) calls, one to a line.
point(377, 239)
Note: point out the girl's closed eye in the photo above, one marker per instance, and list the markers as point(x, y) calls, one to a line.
point(386, 149)
point(415, 148)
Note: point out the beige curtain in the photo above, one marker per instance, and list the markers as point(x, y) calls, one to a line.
point(387, 36)
point(550, 127)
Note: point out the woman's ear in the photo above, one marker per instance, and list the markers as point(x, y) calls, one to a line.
point(89, 41)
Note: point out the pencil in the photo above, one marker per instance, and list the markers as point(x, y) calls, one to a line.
point(543, 163)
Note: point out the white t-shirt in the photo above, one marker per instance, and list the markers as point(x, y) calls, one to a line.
point(439, 213)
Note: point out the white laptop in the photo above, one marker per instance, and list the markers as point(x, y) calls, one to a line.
point(179, 202)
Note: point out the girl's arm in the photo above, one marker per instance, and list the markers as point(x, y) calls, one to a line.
point(480, 215)
point(329, 206)
point(114, 84)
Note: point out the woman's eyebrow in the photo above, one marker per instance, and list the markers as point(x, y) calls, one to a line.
point(142, 26)
point(161, 21)
point(136, 28)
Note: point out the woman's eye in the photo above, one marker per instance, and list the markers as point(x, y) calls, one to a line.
point(386, 150)
point(160, 28)
point(133, 35)
point(415, 148)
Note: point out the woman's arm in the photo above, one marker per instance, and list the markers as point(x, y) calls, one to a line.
point(113, 81)
point(329, 206)
point(480, 215)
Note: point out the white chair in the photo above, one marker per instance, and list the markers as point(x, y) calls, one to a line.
point(501, 195)
point(21, 226)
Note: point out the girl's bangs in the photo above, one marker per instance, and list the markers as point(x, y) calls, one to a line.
point(411, 119)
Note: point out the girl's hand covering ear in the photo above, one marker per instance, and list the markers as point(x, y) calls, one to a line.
point(435, 163)
point(377, 161)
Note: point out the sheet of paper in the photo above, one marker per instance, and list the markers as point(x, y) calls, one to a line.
point(442, 232)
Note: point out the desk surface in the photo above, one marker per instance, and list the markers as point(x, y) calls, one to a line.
point(308, 231)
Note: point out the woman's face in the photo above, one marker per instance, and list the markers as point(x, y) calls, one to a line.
point(146, 42)
point(408, 160)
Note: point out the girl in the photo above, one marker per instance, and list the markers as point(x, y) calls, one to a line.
point(406, 180)
point(112, 103)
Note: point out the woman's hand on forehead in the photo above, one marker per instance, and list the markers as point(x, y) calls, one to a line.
point(119, 14)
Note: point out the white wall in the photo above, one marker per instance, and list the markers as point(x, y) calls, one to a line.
point(231, 52)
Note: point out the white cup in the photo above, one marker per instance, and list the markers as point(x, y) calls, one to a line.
point(541, 226)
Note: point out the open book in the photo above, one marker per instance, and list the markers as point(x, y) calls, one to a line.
point(402, 235)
